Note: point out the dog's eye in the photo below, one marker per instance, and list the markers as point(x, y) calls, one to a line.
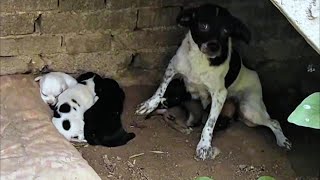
point(204, 27)
point(43, 94)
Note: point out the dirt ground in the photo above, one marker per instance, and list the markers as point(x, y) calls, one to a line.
point(246, 153)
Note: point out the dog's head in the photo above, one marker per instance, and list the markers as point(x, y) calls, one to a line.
point(210, 27)
point(175, 94)
point(50, 88)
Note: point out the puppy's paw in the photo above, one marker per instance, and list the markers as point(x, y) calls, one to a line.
point(78, 140)
point(187, 131)
point(206, 151)
point(169, 117)
point(148, 106)
point(95, 99)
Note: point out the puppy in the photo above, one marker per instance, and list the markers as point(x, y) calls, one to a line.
point(103, 120)
point(70, 108)
point(53, 84)
point(213, 71)
point(182, 113)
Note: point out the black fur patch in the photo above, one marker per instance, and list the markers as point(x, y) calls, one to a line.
point(85, 76)
point(66, 124)
point(83, 82)
point(65, 108)
point(234, 69)
point(176, 93)
point(218, 60)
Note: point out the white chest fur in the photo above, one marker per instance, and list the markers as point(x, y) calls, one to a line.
point(196, 71)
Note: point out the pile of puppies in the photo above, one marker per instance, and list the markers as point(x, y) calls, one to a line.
point(86, 109)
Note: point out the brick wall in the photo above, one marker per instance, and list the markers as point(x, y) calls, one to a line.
point(132, 40)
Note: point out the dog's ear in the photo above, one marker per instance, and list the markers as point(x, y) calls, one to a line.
point(239, 30)
point(37, 78)
point(186, 17)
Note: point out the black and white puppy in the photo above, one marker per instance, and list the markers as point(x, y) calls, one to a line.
point(102, 122)
point(70, 108)
point(212, 71)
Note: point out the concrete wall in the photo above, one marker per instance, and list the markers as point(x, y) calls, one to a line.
point(132, 40)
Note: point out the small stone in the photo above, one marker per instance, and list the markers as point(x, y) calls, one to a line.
point(242, 166)
point(118, 158)
point(251, 168)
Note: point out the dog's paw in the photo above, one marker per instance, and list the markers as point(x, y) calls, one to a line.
point(285, 143)
point(148, 106)
point(96, 98)
point(205, 151)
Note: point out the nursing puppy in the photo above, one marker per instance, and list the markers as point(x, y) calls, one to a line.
point(70, 108)
point(103, 120)
point(182, 113)
point(212, 71)
point(53, 84)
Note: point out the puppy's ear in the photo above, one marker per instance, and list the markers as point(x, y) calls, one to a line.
point(239, 30)
point(186, 17)
point(37, 78)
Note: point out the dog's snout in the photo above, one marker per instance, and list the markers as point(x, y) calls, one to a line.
point(213, 46)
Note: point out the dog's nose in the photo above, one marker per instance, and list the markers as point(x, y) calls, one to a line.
point(213, 46)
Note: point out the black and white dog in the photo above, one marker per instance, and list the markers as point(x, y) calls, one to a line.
point(212, 71)
point(102, 121)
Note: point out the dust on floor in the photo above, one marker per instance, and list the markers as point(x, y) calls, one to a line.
point(246, 153)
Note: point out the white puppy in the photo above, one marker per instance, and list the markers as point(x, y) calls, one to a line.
point(70, 108)
point(53, 84)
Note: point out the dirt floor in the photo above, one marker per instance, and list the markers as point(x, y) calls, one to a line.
point(160, 152)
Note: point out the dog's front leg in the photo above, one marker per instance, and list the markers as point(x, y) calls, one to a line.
point(204, 148)
point(152, 103)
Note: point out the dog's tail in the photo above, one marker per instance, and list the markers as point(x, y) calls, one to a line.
point(118, 139)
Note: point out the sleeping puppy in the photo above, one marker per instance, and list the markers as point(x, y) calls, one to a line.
point(103, 120)
point(53, 84)
point(182, 113)
point(70, 108)
point(213, 71)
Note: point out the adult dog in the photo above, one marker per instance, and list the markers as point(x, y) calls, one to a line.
point(212, 71)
